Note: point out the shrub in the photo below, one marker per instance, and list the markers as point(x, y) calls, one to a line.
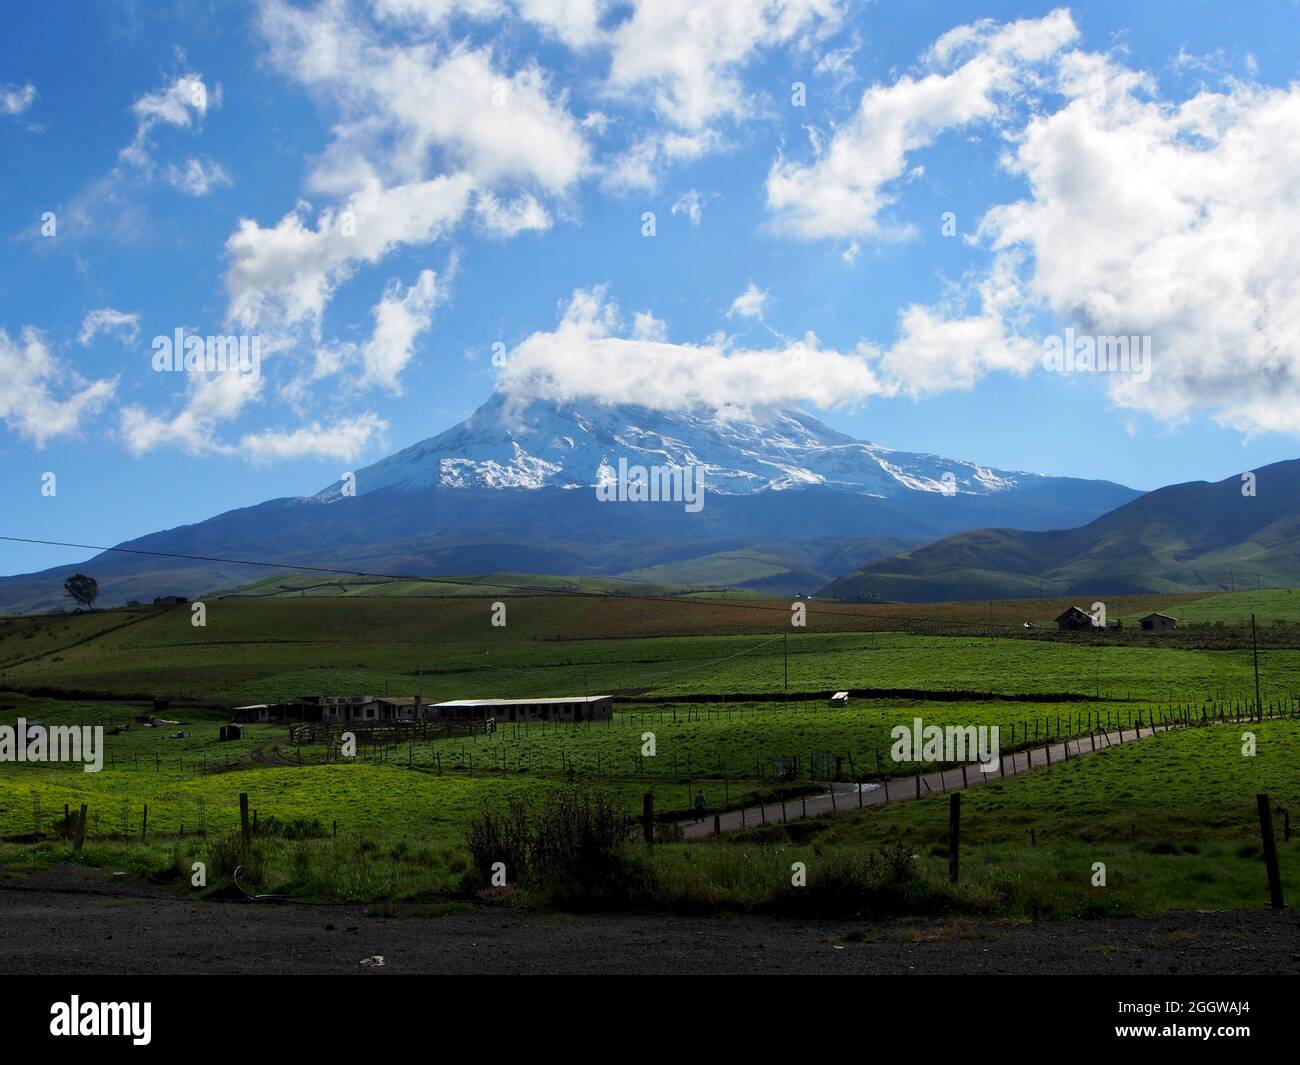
point(570, 845)
point(230, 852)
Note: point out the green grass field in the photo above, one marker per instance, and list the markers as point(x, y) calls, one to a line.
point(262, 651)
point(1171, 817)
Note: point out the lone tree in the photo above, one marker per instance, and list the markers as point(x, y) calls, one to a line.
point(81, 588)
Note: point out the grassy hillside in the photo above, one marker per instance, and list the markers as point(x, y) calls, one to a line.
point(1189, 537)
point(260, 650)
point(730, 569)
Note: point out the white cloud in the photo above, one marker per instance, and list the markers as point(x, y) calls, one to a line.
point(690, 55)
point(109, 202)
point(509, 219)
point(423, 136)
point(844, 190)
point(750, 303)
point(575, 22)
point(15, 99)
point(1173, 221)
point(182, 103)
point(108, 320)
point(196, 177)
point(434, 14)
point(399, 319)
point(345, 440)
point(1143, 217)
point(586, 357)
point(645, 326)
point(28, 404)
point(691, 204)
point(640, 166)
point(287, 273)
point(690, 58)
point(406, 107)
point(212, 400)
point(937, 353)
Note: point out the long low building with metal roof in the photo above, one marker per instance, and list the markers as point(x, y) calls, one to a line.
point(551, 708)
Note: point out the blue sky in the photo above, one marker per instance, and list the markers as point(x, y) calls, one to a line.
point(1121, 168)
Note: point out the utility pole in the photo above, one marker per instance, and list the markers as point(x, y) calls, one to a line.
point(1254, 646)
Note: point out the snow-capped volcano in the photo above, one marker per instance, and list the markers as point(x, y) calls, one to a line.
point(788, 505)
point(573, 446)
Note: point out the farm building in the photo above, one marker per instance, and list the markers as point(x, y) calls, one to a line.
point(342, 709)
point(232, 731)
point(556, 708)
point(840, 699)
point(1158, 622)
point(1074, 619)
point(169, 600)
point(371, 708)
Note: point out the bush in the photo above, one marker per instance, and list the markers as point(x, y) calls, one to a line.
point(230, 852)
point(570, 845)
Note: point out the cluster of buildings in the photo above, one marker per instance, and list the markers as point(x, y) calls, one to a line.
point(376, 710)
point(1075, 619)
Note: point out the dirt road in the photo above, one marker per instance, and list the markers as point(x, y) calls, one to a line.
point(75, 922)
point(844, 798)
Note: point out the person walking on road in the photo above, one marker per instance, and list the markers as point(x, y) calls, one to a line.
point(701, 806)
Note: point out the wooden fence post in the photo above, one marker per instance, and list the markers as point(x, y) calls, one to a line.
point(954, 833)
point(1270, 852)
point(144, 824)
point(243, 814)
point(81, 829)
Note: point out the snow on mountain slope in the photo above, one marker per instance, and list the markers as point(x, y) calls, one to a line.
point(566, 446)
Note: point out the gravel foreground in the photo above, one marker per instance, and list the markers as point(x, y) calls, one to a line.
point(85, 922)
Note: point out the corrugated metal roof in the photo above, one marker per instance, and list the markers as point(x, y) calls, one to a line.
point(526, 702)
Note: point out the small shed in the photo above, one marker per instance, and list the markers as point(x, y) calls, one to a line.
point(840, 699)
point(1158, 622)
point(1074, 619)
point(233, 731)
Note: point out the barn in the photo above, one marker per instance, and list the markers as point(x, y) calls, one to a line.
point(1158, 622)
point(554, 708)
point(1073, 619)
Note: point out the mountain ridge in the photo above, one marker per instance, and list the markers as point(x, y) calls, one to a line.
point(1194, 536)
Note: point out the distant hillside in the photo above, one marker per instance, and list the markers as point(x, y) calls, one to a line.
point(1187, 537)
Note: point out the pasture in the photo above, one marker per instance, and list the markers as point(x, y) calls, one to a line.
point(728, 691)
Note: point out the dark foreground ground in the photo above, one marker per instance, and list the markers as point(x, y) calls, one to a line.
point(77, 922)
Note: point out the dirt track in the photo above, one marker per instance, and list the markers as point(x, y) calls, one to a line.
point(74, 922)
point(845, 798)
